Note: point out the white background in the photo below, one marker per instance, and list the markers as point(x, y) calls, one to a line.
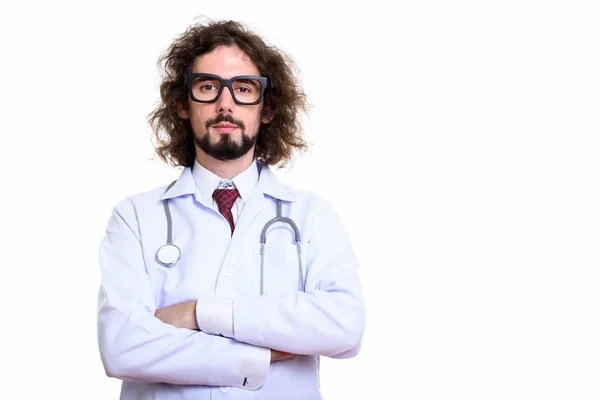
point(482, 118)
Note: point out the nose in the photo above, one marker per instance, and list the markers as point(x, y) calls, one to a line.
point(225, 101)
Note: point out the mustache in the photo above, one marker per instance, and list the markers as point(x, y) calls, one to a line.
point(224, 118)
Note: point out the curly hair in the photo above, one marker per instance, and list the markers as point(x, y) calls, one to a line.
point(284, 99)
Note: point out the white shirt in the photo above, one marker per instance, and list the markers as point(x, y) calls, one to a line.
point(207, 182)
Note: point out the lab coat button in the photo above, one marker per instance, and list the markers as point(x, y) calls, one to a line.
point(229, 273)
point(224, 389)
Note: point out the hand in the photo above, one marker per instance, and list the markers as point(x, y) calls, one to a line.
point(182, 315)
point(277, 355)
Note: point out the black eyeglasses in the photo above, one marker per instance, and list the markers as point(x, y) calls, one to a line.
point(245, 89)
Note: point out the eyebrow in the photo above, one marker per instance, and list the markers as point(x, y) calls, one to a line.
point(247, 80)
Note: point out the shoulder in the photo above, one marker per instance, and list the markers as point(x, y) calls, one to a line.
point(311, 205)
point(275, 185)
point(136, 202)
point(153, 197)
point(308, 198)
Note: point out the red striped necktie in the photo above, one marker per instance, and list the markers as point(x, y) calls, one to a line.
point(225, 199)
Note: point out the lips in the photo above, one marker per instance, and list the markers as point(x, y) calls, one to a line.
point(225, 126)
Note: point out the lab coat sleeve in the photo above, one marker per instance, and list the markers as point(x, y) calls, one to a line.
point(137, 346)
point(328, 319)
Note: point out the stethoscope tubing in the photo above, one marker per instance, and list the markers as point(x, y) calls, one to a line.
point(169, 247)
point(263, 241)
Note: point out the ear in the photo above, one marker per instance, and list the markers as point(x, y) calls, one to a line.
point(266, 118)
point(181, 111)
point(267, 114)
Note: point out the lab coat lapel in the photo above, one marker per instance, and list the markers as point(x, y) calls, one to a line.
point(252, 209)
point(267, 187)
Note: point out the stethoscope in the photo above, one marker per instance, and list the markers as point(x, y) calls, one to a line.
point(169, 254)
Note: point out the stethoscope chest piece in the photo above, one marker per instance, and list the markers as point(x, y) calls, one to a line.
point(168, 255)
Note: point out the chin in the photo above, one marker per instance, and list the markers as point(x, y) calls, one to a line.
point(215, 137)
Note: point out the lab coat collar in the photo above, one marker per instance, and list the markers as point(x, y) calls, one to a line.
point(183, 185)
point(270, 186)
point(267, 183)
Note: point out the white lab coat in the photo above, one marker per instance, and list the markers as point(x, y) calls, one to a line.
point(158, 361)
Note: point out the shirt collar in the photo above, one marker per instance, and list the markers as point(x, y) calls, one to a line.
point(207, 181)
point(267, 183)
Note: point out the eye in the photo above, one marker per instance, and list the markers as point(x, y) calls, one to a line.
point(204, 85)
point(244, 90)
point(207, 87)
point(248, 88)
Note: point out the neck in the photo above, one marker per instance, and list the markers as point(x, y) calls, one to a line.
point(225, 169)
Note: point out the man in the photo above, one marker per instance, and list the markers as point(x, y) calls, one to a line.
point(202, 295)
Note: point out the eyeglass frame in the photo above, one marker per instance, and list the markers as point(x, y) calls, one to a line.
point(189, 78)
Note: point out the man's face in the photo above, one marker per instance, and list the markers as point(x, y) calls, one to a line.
point(224, 130)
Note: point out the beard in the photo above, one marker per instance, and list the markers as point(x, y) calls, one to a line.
point(225, 148)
